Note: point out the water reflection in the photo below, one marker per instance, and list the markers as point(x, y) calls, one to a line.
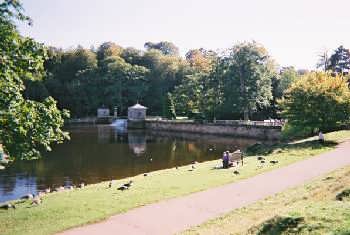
point(101, 152)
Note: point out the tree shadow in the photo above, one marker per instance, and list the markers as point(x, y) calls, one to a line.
point(261, 149)
point(281, 225)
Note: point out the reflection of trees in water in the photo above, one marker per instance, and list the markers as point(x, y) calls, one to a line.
point(97, 153)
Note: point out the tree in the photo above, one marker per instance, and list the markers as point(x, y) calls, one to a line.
point(247, 83)
point(339, 62)
point(201, 60)
point(169, 107)
point(317, 101)
point(167, 48)
point(323, 61)
point(108, 49)
point(25, 125)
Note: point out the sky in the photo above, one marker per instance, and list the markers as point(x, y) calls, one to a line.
point(294, 32)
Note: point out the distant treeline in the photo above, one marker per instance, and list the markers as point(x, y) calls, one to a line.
point(241, 82)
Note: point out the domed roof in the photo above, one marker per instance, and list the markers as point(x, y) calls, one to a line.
point(137, 106)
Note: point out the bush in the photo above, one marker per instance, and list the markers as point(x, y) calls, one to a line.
point(317, 101)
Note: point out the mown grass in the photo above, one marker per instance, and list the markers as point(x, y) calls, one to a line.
point(60, 211)
point(314, 208)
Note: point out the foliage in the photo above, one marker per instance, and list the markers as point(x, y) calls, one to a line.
point(317, 101)
point(26, 126)
point(339, 62)
point(167, 48)
point(248, 70)
point(169, 107)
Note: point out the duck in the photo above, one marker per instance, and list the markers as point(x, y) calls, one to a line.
point(7, 206)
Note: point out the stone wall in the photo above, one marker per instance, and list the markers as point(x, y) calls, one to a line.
point(247, 131)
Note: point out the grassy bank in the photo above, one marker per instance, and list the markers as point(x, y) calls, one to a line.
point(309, 209)
point(64, 210)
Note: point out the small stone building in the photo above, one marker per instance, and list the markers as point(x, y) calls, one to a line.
point(136, 116)
point(103, 112)
point(137, 113)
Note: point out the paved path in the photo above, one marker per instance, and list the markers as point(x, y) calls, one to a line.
point(174, 215)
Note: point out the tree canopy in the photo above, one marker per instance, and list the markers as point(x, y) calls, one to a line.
point(26, 126)
point(317, 101)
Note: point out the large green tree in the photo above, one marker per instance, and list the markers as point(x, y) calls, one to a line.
point(317, 101)
point(247, 79)
point(26, 126)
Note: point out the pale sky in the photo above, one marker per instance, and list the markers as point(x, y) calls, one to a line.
point(295, 32)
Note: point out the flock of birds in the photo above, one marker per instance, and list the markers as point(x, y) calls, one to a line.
point(38, 199)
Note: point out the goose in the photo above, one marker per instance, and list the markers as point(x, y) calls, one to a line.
point(128, 184)
point(28, 196)
point(7, 206)
point(123, 187)
point(36, 200)
point(71, 187)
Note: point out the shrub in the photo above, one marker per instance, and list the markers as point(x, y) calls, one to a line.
point(317, 101)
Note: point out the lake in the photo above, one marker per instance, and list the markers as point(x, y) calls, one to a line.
point(98, 153)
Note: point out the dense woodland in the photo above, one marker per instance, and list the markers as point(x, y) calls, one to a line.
point(240, 82)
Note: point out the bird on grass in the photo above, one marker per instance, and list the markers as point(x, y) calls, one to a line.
point(28, 196)
point(145, 174)
point(262, 162)
point(261, 158)
point(36, 200)
point(236, 172)
point(48, 190)
point(111, 183)
point(126, 186)
point(81, 185)
point(7, 206)
point(274, 161)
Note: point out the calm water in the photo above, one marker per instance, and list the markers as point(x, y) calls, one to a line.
point(99, 153)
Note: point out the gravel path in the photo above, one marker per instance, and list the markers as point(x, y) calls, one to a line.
point(175, 215)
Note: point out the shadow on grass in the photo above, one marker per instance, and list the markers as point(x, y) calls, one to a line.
point(282, 225)
point(261, 149)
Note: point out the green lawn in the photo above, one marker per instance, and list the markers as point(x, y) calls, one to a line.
point(307, 209)
point(64, 210)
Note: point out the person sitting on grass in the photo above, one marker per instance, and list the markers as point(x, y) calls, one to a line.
point(225, 160)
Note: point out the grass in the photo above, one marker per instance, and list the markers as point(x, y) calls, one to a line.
point(313, 208)
point(64, 210)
